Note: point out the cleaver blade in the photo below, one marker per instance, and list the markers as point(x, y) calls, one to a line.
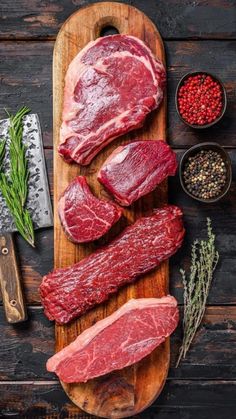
point(38, 202)
point(39, 206)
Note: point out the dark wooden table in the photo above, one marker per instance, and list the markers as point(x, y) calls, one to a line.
point(198, 35)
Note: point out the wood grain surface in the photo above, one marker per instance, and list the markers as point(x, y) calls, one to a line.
point(10, 281)
point(176, 19)
point(181, 399)
point(36, 87)
point(38, 262)
point(26, 348)
point(197, 34)
point(122, 393)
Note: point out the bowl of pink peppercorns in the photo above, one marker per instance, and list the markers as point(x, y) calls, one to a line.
point(200, 99)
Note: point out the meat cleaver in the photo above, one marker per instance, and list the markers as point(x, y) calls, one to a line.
point(39, 206)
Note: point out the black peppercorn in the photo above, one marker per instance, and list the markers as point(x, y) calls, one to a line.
point(205, 174)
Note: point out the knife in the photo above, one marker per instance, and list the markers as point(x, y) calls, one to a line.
point(39, 206)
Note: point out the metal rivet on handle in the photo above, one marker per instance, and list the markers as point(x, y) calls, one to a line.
point(4, 250)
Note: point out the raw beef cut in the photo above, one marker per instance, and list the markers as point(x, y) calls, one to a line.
point(135, 169)
point(120, 340)
point(83, 216)
point(69, 292)
point(110, 87)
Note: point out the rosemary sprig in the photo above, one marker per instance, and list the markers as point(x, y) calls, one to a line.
point(14, 187)
point(2, 152)
point(204, 258)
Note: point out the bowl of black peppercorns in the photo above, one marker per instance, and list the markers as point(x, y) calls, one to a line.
point(205, 172)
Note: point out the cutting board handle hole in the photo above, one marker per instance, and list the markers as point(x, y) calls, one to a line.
point(107, 25)
point(108, 30)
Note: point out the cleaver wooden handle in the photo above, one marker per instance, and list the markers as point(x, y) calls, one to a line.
point(10, 281)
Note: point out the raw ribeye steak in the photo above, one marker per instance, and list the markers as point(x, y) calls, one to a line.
point(69, 292)
point(83, 216)
point(120, 340)
point(110, 87)
point(135, 169)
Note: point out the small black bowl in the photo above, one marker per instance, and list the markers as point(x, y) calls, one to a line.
point(192, 152)
point(224, 98)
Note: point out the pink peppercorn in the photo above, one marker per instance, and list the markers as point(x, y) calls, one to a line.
point(200, 100)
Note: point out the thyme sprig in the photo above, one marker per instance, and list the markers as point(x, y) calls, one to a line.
point(14, 186)
point(204, 258)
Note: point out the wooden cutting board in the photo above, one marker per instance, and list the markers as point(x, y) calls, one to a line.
point(127, 392)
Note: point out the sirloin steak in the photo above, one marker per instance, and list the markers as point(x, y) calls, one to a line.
point(135, 169)
point(69, 292)
point(119, 340)
point(110, 87)
point(83, 216)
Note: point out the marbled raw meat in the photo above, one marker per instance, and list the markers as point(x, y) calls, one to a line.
point(121, 339)
point(69, 292)
point(110, 87)
point(83, 216)
point(135, 169)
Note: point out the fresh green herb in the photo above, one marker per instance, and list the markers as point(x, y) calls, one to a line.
point(204, 258)
point(14, 187)
point(2, 152)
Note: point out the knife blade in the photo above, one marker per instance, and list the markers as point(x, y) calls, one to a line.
point(39, 206)
point(38, 202)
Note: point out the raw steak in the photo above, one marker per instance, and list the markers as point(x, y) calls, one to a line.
point(135, 169)
point(120, 340)
point(83, 216)
point(110, 87)
point(69, 292)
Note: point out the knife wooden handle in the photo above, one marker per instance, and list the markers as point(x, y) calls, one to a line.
point(10, 281)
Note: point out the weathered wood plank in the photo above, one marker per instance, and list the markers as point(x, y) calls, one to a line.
point(223, 219)
point(25, 77)
point(176, 19)
point(216, 58)
point(25, 348)
point(212, 354)
point(178, 400)
point(39, 261)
